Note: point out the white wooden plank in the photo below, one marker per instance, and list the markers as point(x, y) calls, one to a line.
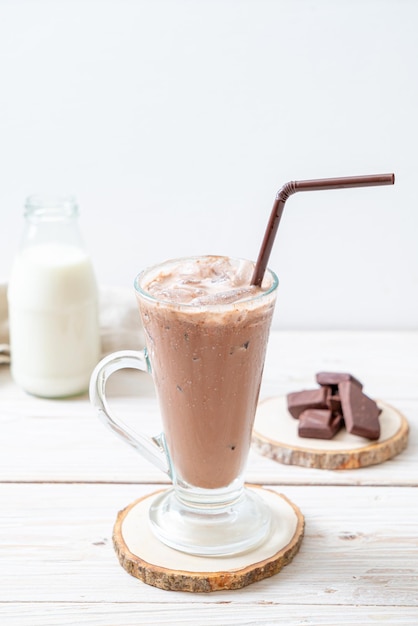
point(46, 442)
point(360, 548)
point(386, 362)
point(245, 614)
point(62, 440)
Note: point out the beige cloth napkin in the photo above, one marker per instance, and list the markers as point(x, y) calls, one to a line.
point(120, 324)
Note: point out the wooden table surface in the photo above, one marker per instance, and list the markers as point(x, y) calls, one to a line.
point(64, 477)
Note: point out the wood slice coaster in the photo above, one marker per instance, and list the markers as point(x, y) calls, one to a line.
point(143, 556)
point(276, 436)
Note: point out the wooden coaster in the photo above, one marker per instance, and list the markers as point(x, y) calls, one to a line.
point(143, 556)
point(276, 436)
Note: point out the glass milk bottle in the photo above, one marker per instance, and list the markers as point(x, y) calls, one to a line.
point(53, 303)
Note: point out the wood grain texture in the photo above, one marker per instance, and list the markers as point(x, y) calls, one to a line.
point(195, 578)
point(228, 614)
point(292, 450)
point(360, 548)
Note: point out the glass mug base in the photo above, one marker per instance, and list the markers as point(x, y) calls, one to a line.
point(209, 530)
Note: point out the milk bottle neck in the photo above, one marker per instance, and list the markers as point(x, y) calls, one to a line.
point(51, 219)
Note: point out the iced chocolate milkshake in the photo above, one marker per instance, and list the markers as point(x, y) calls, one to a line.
point(207, 331)
point(206, 328)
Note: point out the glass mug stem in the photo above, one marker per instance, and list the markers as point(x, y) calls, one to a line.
point(206, 358)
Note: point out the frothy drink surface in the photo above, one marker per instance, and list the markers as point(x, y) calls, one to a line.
point(203, 281)
point(207, 332)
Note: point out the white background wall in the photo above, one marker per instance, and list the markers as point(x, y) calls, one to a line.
point(176, 121)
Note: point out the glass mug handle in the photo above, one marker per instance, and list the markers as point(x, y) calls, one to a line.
point(153, 449)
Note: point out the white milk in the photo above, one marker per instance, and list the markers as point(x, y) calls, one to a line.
point(53, 316)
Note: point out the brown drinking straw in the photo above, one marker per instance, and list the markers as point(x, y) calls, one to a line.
point(306, 185)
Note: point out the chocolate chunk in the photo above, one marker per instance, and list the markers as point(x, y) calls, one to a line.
point(361, 413)
point(333, 378)
point(298, 401)
point(333, 400)
point(319, 423)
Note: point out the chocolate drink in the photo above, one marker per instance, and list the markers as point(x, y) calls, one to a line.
point(207, 330)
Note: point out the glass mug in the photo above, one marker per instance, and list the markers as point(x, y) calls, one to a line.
point(206, 359)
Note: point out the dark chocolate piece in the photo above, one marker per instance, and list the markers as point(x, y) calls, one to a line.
point(319, 423)
point(333, 378)
point(298, 401)
point(361, 413)
point(333, 400)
